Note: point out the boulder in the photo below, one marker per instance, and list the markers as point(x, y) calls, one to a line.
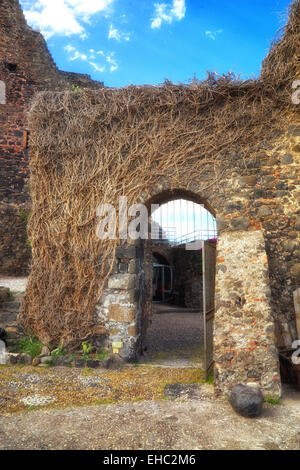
point(46, 359)
point(25, 359)
point(246, 401)
point(45, 351)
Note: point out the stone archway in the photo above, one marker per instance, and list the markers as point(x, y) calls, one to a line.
point(233, 143)
point(244, 345)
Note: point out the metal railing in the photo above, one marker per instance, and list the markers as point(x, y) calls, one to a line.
point(167, 236)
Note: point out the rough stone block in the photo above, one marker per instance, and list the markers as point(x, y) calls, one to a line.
point(99, 330)
point(12, 358)
point(249, 180)
point(240, 223)
point(46, 359)
point(79, 363)
point(63, 360)
point(297, 223)
point(92, 363)
point(295, 270)
point(264, 211)
point(127, 252)
point(25, 359)
point(122, 281)
point(287, 159)
point(120, 313)
point(132, 330)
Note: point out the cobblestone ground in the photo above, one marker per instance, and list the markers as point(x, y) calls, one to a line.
point(175, 337)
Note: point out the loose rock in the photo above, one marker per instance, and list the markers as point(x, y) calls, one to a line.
point(246, 401)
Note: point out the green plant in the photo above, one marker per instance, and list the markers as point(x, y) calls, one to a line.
point(86, 349)
point(272, 400)
point(29, 345)
point(75, 88)
point(210, 379)
point(10, 296)
point(102, 354)
point(105, 401)
point(59, 351)
point(49, 363)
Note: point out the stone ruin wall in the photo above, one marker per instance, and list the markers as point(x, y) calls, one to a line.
point(258, 197)
point(26, 67)
point(258, 217)
point(188, 277)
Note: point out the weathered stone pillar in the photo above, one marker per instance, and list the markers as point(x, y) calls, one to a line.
point(244, 340)
point(122, 304)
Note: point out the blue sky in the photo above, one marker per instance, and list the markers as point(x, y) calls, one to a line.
point(124, 42)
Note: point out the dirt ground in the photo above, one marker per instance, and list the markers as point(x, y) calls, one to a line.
point(184, 423)
point(150, 408)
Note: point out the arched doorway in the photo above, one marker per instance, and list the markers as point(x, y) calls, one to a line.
point(243, 329)
point(175, 329)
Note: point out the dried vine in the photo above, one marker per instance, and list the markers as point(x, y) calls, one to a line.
point(91, 147)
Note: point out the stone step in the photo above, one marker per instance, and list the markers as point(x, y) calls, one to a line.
point(12, 331)
point(11, 306)
point(7, 318)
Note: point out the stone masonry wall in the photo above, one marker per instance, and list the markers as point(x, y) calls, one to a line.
point(122, 310)
point(188, 277)
point(244, 336)
point(26, 66)
point(257, 194)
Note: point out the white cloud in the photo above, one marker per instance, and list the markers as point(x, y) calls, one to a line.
point(117, 35)
point(108, 59)
point(111, 60)
point(62, 17)
point(168, 13)
point(74, 54)
point(213, 34)
point(97, 67)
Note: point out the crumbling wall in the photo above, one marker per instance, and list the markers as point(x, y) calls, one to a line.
point(26, 67)
point(230, 145)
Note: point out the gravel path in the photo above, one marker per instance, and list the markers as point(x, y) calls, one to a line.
point(171, 425)
point(15, 284)
point(175, 336)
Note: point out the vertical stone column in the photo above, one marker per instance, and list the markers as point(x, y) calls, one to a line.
point(120, 307)
point(244, 340)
